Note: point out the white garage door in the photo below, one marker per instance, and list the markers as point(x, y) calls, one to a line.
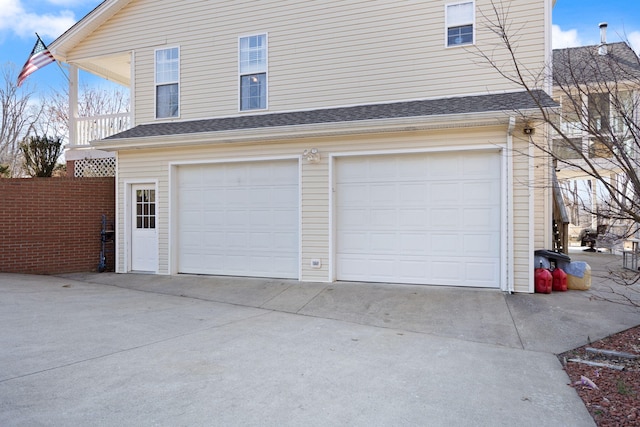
point(239, 219)
point(419, 218)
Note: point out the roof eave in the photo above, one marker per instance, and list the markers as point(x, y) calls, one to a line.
point(360, 127)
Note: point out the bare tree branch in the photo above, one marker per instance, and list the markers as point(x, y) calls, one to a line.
point(17, 121)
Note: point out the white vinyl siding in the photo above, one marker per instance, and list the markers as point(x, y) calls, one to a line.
point(313, 62)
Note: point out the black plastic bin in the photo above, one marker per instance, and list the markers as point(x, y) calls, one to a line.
point(558, 259)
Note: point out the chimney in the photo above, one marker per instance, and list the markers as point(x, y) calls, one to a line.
point(602, 48)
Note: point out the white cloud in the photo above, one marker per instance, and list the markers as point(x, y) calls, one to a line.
point(561, 39)
point(66, 3)
point(634, 41)
point(16, 19)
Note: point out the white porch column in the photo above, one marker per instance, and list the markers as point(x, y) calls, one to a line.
point(73, 105)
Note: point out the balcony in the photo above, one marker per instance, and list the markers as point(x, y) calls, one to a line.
point(571, 129)
point(99, 127)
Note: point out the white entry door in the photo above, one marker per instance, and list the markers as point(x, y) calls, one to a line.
point(144, 234)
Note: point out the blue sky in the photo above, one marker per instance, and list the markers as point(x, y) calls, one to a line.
point(575, 24)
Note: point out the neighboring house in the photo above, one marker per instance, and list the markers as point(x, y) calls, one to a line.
point(322, 141)
point(598, 88)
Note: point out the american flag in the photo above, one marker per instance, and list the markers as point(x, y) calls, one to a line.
point(40, 56)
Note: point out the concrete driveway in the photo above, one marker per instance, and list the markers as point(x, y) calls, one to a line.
point(143, 350)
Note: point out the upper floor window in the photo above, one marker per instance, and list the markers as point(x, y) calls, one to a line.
point(167, 78)
point(460, 19)
point(599, 111)
point(253, 72)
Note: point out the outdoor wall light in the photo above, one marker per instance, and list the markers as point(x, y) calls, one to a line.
point(311, 156)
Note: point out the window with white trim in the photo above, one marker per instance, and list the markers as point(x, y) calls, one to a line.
point(460, 19)
point(167, 78)
point(253, 72)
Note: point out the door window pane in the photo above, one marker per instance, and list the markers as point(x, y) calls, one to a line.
point(145, 209)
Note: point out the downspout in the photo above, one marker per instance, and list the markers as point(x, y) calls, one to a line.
point(509, 241)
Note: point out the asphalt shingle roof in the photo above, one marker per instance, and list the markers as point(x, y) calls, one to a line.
point(513, 101)
point(584, 65)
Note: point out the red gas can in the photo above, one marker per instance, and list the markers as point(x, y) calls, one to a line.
point(543, 281)
point(559, 280)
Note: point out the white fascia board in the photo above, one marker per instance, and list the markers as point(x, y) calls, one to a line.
point(407, 124)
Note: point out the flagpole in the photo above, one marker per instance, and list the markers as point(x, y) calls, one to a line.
point(57, 62)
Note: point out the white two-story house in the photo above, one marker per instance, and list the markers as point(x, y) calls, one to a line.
point(323, 141)
point(598, 89)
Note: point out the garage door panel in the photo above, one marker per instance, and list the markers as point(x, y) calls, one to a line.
point(239, 219)
point(192, 217)
point(442, 192)
point(383, 194)
point(482, 191)
point(354, 217)
point(383, 242)
point(284, 218)
point(445, 218)
point(261, 240)
point(191, 238)
point(210, 216)
point(445, 243)
point(236, 197)
point(485, 218)
point(278, 176)
point(444, 167)
point(233, 240)
point(446, 271)
point(283, 240)
point(479, 164)
point(381, 169)
point(383, 268)
point(352, 194)
point(414, 269)
point(215, 199)
point(260, 195)
point(383, 217)
point(354, 241)
point(481, 274)
point(260, 218)
point(414, 243)
point(214, 239)
point(412, 217)
point(476, 244)
point(412, 193)
point(411, 169)
point(232, 217)
point(420, 218)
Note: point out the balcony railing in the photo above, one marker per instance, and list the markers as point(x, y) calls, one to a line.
point(99, 127)
point(571, 129)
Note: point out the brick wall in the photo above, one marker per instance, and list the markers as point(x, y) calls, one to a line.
point(52, 225)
